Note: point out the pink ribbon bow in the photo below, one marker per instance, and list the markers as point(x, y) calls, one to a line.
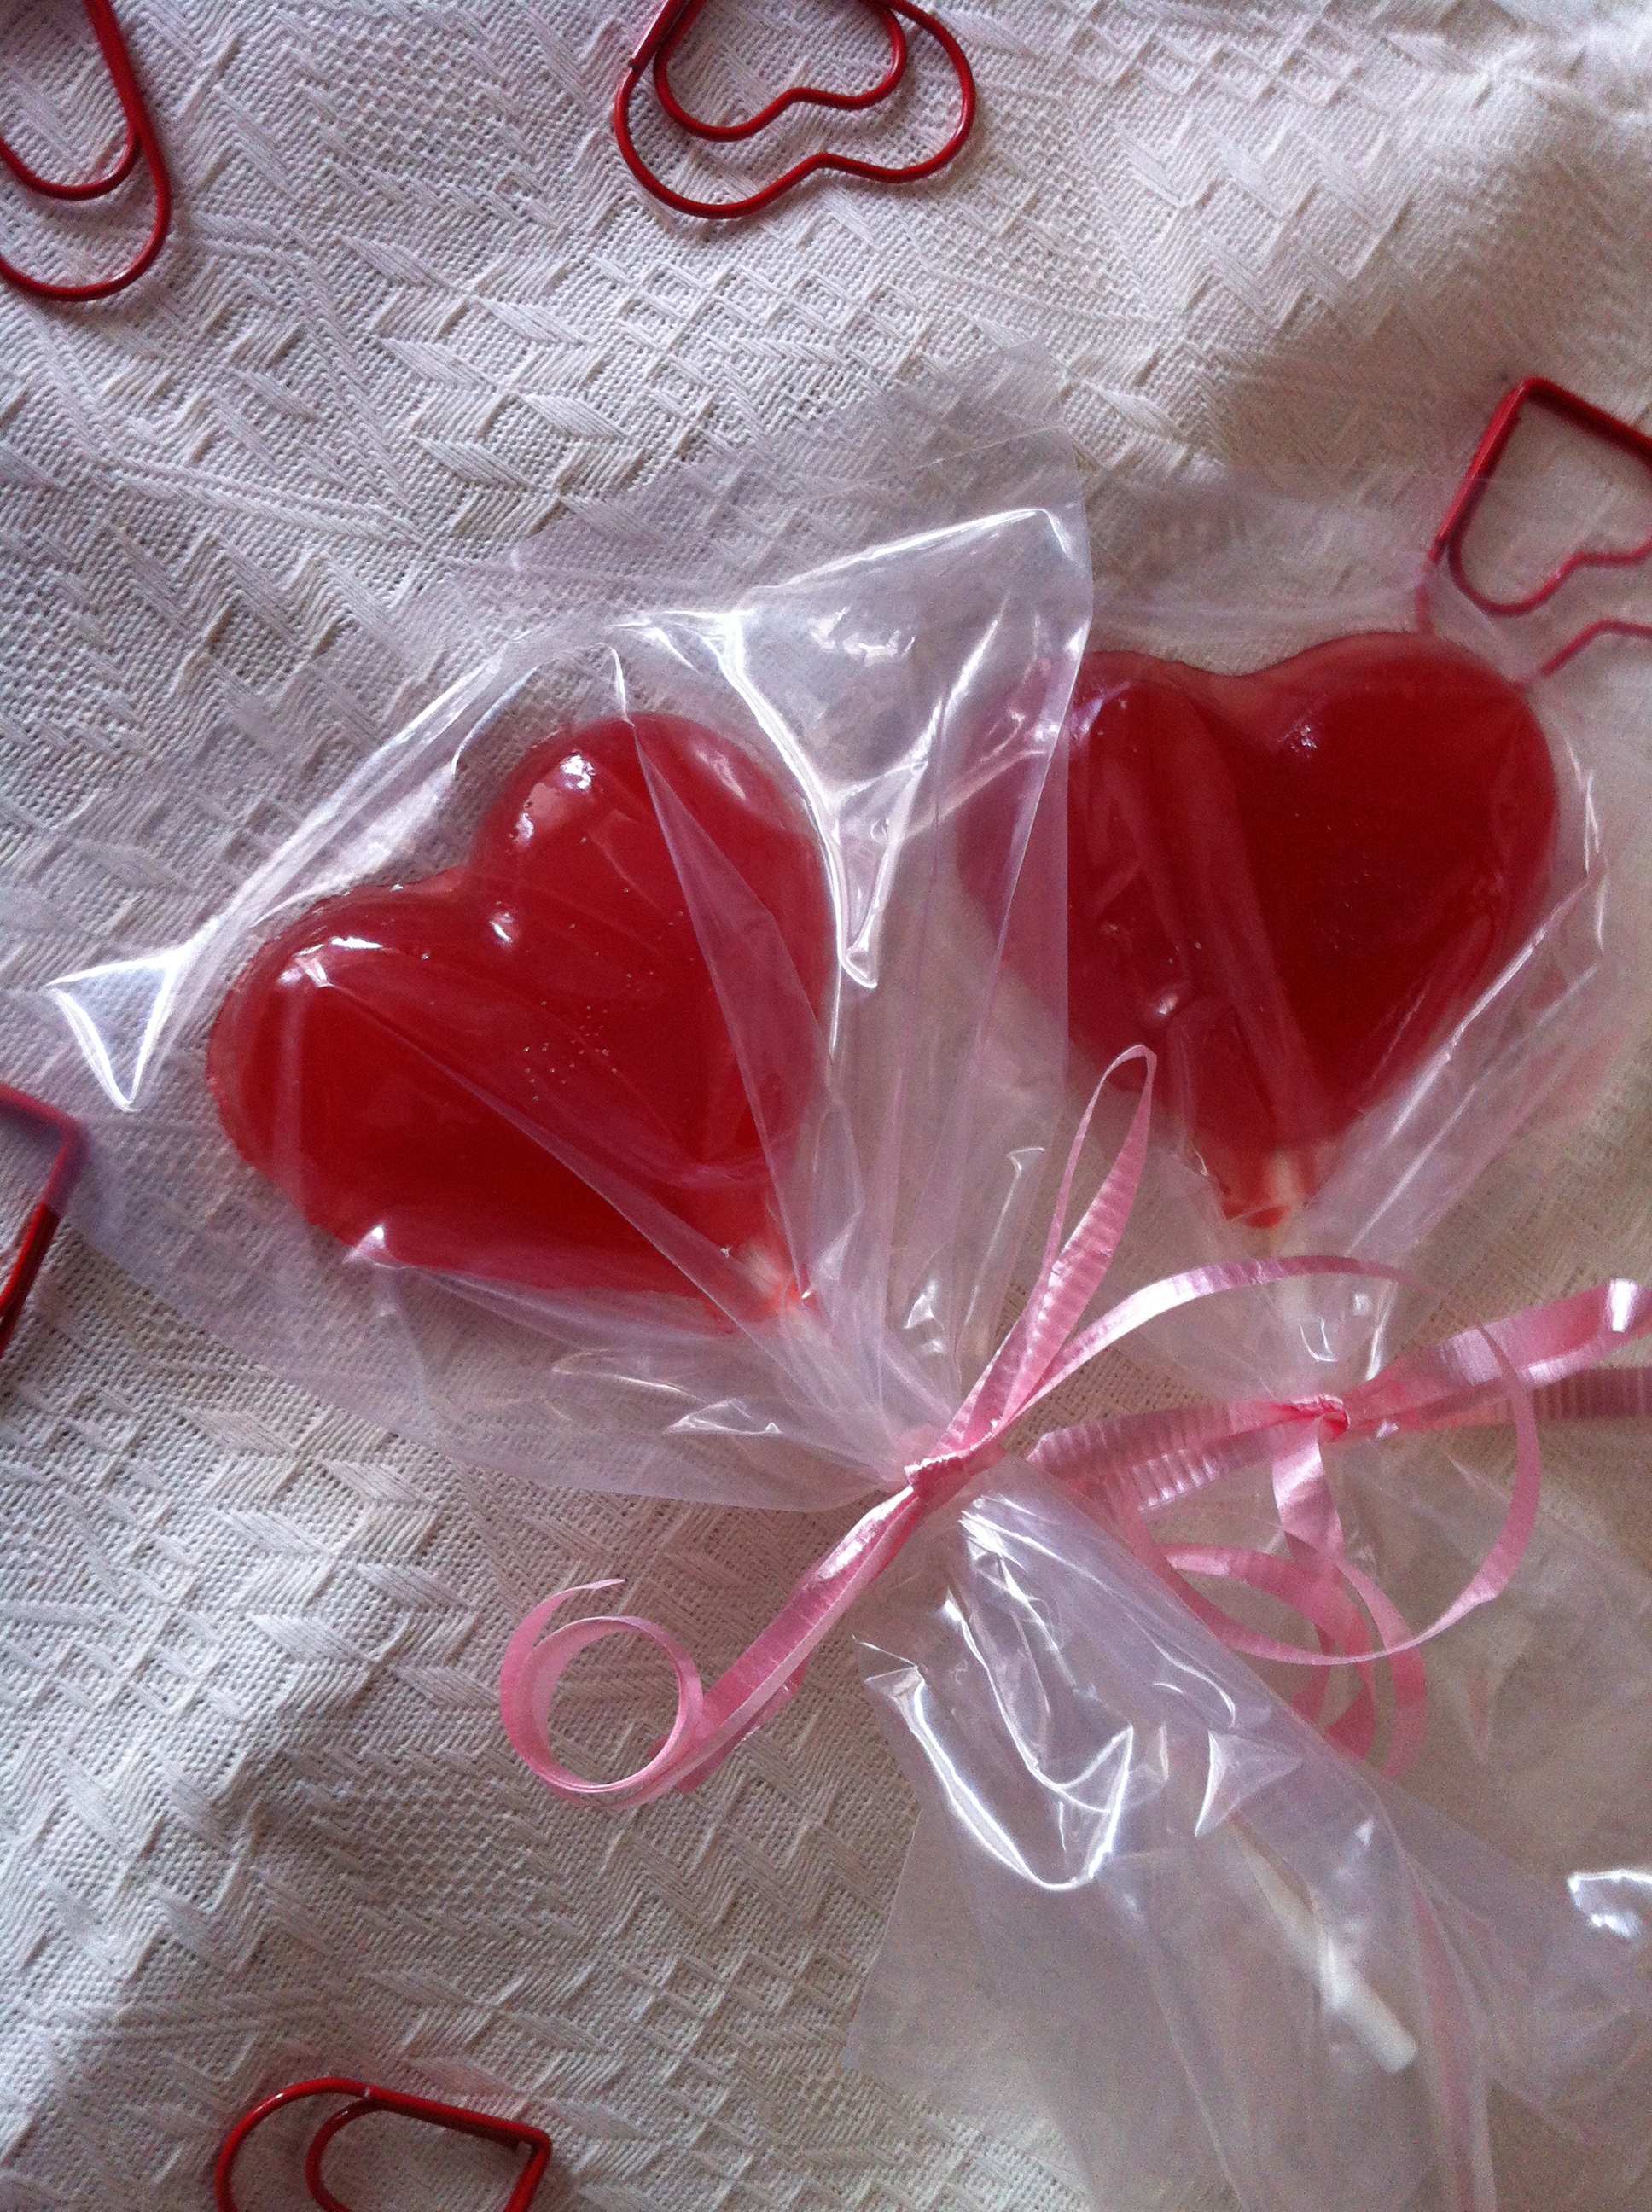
point(1541, 1362)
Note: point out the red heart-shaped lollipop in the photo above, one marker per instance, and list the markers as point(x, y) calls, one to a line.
point(405, 1061)
point(1290, 884)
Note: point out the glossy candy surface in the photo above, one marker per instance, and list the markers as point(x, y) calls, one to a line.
point(1290, 884)
point(404, 1062)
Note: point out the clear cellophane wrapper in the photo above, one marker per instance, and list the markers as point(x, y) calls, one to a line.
point(861, 636)
point(1146, 1895)
point(1236, 576)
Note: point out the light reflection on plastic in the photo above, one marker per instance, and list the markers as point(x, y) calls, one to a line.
point(102, 1005)
point(312, 961)
point(1608, 1899)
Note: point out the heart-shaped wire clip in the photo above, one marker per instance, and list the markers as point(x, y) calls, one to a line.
point(365, 2099)
point(1447, 546)
point(41, 1226)
point(670, 27)
point(800, 95)
point(142, 140)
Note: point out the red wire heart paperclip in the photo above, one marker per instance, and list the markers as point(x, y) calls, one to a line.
point(41, 1225)
point(141, 140)
point(667, 32)
point(1447, 546)
point(802, 95)
point(365, 2099)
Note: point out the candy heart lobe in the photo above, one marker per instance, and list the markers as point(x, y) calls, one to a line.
point(1291, 884)
point(406, 1061)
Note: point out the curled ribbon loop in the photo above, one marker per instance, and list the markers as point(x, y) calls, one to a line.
point(1126, 1468)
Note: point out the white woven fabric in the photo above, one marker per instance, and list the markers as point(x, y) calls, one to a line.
point(256, 1816)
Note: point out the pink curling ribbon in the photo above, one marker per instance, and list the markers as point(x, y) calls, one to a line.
point(1539, 1362)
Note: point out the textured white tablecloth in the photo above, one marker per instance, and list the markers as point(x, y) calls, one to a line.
point(256, 1816)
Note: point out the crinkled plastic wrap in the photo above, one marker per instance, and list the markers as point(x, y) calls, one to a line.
point(734, 1220)
point(1378, 894)
point(1147, 1894)
point(608, 1074)
point(1144, 1895)
point(631, 1058)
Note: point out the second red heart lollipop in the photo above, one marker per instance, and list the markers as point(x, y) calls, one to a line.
point(406, 1061)
point(1291, 883)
